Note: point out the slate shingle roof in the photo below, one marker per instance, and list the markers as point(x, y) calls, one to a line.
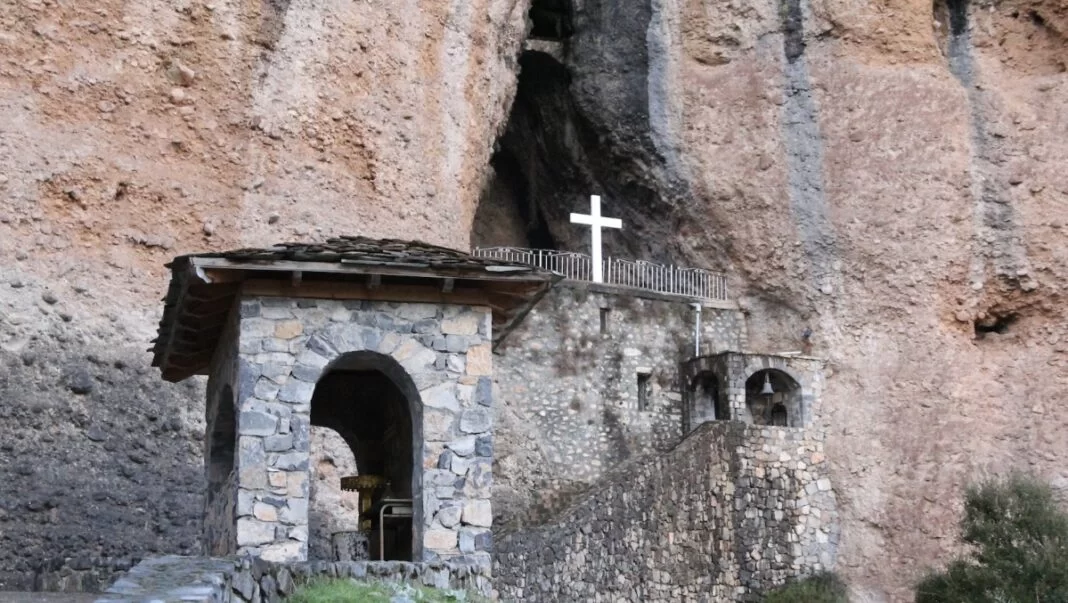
point(368, 252)
point(195, 310)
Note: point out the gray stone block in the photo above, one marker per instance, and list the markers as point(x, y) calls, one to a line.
point(465, 446)
point(278, 443)
point(255, 423)
point(484, 446)
point(290, 461)
point(475, 421)
point(296, 391)
point(484, 391)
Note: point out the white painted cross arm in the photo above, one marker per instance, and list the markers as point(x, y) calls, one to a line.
point(596, 222)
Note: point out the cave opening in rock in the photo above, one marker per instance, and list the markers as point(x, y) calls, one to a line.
point(551, 20)
point(580, 126)
point(999, 324)
point(367, 399)
point(537, 167)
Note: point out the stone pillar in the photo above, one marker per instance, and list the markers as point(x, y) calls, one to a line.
point(273, 438)
point(458, 454)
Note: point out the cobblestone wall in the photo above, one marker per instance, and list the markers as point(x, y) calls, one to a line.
point(568, 384)
point(732, 510)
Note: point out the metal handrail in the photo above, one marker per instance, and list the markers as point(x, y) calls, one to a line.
point(640, 274)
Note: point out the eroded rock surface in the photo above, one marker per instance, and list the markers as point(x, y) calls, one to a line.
point(864, 170)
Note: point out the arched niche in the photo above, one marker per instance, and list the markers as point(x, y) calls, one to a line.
point(372, 403)
point(781, 406)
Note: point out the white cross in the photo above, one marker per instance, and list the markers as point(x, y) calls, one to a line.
point(596, 222)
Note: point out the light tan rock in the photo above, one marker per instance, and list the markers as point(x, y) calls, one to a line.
point(479, 360)
point(288, 329)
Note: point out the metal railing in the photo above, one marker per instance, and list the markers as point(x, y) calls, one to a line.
point(691, 282)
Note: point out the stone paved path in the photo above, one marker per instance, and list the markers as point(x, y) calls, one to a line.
point(21, 597)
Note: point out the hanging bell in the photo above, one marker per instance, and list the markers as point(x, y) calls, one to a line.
point(767, 391)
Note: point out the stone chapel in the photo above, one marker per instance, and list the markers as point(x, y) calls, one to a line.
point(409, 351)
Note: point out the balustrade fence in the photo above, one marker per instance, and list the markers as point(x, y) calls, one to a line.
point(691, 282)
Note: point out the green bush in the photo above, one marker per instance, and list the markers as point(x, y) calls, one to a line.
point(1018, 548)
point(820, 588)
point(341, 590)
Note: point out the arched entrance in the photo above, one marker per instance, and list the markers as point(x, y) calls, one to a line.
point(773, 397)
point(370, 402)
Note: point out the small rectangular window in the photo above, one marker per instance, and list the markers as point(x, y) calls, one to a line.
point(604, 320)
point(645, 390)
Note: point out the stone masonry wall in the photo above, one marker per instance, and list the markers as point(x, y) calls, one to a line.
point(570, 410)
point(442, 360)
point(732, 510)
point(225, 580)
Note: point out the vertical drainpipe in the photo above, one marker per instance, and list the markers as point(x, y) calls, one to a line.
point(697, 330)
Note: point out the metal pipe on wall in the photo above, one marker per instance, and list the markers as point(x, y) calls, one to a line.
point(697, 330)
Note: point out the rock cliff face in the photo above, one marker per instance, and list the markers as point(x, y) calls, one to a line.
point(136, 130)
point(889, 175)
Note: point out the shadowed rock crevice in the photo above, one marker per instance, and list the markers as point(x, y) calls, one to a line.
point(582, 123)
point(793, 29)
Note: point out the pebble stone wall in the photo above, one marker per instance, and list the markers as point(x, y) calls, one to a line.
point(567, 379)
point(227, 580)
point(285, 345)
point(731, 511)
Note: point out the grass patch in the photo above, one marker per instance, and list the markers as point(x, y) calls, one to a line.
point(820, 588)
point(344, 590)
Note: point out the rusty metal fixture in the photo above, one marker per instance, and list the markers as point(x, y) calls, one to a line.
point(370, 487)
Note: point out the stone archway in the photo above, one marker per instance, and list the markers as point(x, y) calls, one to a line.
point(782, 406)
point(371, 403)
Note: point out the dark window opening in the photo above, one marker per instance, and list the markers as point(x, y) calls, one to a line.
point(604, 320)
point(645, 390)
point(551, 19)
